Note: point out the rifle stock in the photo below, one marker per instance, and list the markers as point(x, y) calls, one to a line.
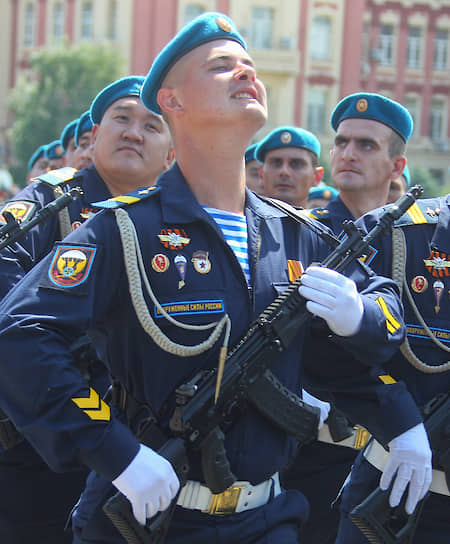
point(197, 417)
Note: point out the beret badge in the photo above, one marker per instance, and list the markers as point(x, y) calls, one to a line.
point(223, 24)
point(362, 105)
point(286, 137)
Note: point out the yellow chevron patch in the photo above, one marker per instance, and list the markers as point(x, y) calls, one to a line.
point(93, 406)
point(126, 199)
point(416, 215)
point(391, 323)
point(387, 379)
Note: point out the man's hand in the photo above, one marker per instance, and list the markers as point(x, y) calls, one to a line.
point(410, 459)
point(323, 406)
point(149, 483)
point(333, 297)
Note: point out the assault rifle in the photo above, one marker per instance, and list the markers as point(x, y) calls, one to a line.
point(195, 423)
point(382, 524)
point(13, 230)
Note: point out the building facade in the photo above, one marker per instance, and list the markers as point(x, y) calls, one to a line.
point(309, 53)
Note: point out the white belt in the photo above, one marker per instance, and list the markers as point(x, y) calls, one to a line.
point(237, 498)
point(357, 440)
point(377, 456)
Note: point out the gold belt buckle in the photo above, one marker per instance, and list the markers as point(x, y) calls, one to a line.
point(225, 503)
point(361, 438)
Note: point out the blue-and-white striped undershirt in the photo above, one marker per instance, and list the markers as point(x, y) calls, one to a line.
point(234, 228)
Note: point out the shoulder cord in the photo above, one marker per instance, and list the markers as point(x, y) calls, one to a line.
point(398, 274)
point(135, 271)
point(65, 225)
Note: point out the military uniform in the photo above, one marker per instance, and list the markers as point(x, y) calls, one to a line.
point(35, 502)
point(196, 277)
point(425, 227)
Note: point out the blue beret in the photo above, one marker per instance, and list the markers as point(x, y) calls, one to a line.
point(55, 150)
point(323, 191)
point(377, 108)
point(406, 174)
point(205, 28)
point(287, 137)
point(126, 86)
point(41, 151)
point(250, 153)
point(84, 124)
point(67, 133)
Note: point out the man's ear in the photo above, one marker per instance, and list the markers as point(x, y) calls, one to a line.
point(168, 101)
point(319, 174)
point(399, 166)
point(94, 133)
point(170, 158)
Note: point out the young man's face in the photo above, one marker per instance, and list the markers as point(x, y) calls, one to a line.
point(70, 153)
point(41, 166)
point(83, 153)
point(131, 141)
point(219, 85)
point(360, 156)
point(252, 179)
point(57, 163)
point(288, 174)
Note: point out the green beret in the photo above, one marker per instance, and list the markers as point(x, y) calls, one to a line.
point(55, 150)
point(84, 124)
point(126, 86)
point(250, 153)
point(205, 28)
point(377, 108)
point(41, 151)
point(67, 133)
point(287, 137)
point(324, 191)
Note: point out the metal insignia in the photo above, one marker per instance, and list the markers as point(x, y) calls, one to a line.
point(174, 238)
point(437, 264)
point(419, 284)
point(160, 263)
point(201, 262)
point(286, 137)
point(362, 105)
point(223, 24)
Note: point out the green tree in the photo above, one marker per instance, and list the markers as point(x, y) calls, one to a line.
point(59, 87)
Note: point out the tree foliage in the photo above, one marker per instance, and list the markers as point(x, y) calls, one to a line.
point(58, 88)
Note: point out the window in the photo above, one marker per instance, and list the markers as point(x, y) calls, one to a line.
point(112, 20)
point(316, 111)
point(191, 11)
point(386, 52)
point(437, 119)
point(319, 43)
point(86, 21)
point(58, 21)
point(261, 29)
point(441, 47)
point(411, 103)
point(413, 51)
point(28, 40)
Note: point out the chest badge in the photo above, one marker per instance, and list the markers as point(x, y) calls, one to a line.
point(419, 284)
point(201, 262)
point(160, 263)
point(437, 264)
point(180, 262)
point(173, 238)
point(438, 288)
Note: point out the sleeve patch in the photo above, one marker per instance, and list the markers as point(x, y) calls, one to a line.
point(22, 210)
point(391, 323)
point(93, 406)
point(69, 267)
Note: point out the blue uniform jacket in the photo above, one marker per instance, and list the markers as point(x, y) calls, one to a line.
point(427, 231)
point(66, 420)
point(333, 215)
point(17, 259)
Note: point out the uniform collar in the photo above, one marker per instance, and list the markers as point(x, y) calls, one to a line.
point(337, 208)
point(94, 187)
point(179, 205)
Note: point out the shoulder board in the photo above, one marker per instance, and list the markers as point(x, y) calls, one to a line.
point(126, 200)
point(420, 213)
point(318, 213)
point(57, 177)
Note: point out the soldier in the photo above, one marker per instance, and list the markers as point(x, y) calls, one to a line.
point(55, 155)
point(67, 140)
point(290, 164)
point(399, 186)
point(371, 134)
point(132, 148)
point(252, 178)
point(321, 196)
point(82, 137)
point(174, 239)
point(38, 163)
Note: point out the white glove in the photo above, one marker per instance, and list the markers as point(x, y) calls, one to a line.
point(323, 406)
point(149, 483)
point(333, 297)
point(410, 457)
